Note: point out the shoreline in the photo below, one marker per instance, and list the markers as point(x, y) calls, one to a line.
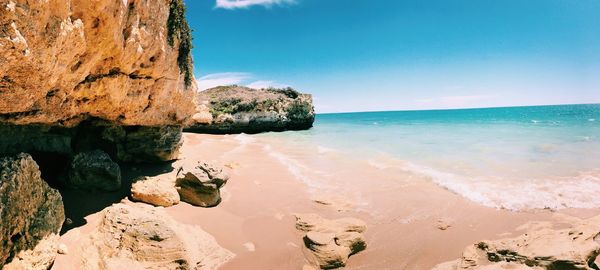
point(412, 223)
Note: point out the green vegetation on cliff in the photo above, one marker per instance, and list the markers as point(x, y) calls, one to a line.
point(178, 27)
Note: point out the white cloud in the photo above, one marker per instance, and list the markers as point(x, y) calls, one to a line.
point(221, 79)
point(265, 84)
point(238, 78)
point(231, 4)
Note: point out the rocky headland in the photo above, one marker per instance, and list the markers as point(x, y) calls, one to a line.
point(238, 109)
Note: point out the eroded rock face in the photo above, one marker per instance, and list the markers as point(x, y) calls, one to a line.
point(155, 190)
point(574, 248)
point(93, 170)
point(329, 243)
point(64, 61)
point(237, 109)
point(31, 213)
point(200, 184)
point(143, 237)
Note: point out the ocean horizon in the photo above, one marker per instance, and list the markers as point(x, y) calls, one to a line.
point(525, 157)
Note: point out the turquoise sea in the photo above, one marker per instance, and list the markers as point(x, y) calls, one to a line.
point(513, 157)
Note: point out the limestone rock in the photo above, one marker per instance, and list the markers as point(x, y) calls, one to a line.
point(65, 61)
point(31, 213)
point(39, 258)
point(140, 237)
point(157, 190)
point(237, 109)
point(329, 243)
point(93, 170)
point(574, 248)
point(200, 185)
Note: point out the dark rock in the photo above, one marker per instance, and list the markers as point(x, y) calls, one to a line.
point(30, 211)
point(122, 143)
point(199, 185)
point(237, 109)
point(93, 170)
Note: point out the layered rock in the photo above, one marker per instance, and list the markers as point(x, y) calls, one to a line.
point(200, 185)
point(142, 237)
point(65, 61)
point(156, 190)
point(573, 248)
point(237, 109)
point(329, 243)
point(93, 170)
point(31, 213)
point(121, 69)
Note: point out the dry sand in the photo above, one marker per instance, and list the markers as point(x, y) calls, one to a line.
point(412, 223)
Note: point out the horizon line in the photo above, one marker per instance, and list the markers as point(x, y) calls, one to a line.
point(455, 109)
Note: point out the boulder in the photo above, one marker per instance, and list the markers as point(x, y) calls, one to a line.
point(573, 248)
point(93, 170)
point(31, 215)
point(200, 185)
point(138, 236)
point(157, 190)
point(329, 243)
point(237, 109)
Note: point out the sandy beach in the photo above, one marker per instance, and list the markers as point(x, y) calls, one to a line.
point(412, 223)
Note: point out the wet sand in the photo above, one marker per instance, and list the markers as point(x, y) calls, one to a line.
point(269, 182)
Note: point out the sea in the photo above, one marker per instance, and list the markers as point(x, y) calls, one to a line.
point(535, 157)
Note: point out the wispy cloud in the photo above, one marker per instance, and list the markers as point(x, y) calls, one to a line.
point(232, 4)
point(238, 78)
point(266, 84)
point(221, 79)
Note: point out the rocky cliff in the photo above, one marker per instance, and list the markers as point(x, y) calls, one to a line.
point(63, 61)
point(112, 78)
point(103, 73)
point(237, 109)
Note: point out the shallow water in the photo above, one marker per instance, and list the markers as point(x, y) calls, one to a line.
point(514, 158)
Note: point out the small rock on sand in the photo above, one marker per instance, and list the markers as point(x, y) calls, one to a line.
point(329, 243)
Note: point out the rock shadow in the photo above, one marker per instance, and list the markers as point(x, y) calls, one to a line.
point(82, 203)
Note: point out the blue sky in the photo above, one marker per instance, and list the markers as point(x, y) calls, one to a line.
point(365, 55)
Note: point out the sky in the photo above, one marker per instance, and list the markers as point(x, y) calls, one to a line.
point(374, 55)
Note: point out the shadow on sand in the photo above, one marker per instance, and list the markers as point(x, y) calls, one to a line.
point(81, 203)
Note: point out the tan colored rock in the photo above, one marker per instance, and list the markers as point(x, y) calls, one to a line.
point(574, 248)
point(31, 215)
point(329, 243)
point(64, 61)
point(39, 258)
point(203, 115)
point(200, 184)
point(157, 190)
point(139, 236)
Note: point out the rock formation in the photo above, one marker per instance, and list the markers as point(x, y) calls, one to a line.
point(65, 61)
point(140, 237)
point(31, 213)
point(329, 243)
point(200, 184)
point(77, 77)
point(573, 248)
point(237, 109)
point(156, 190)
point(93, 170)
